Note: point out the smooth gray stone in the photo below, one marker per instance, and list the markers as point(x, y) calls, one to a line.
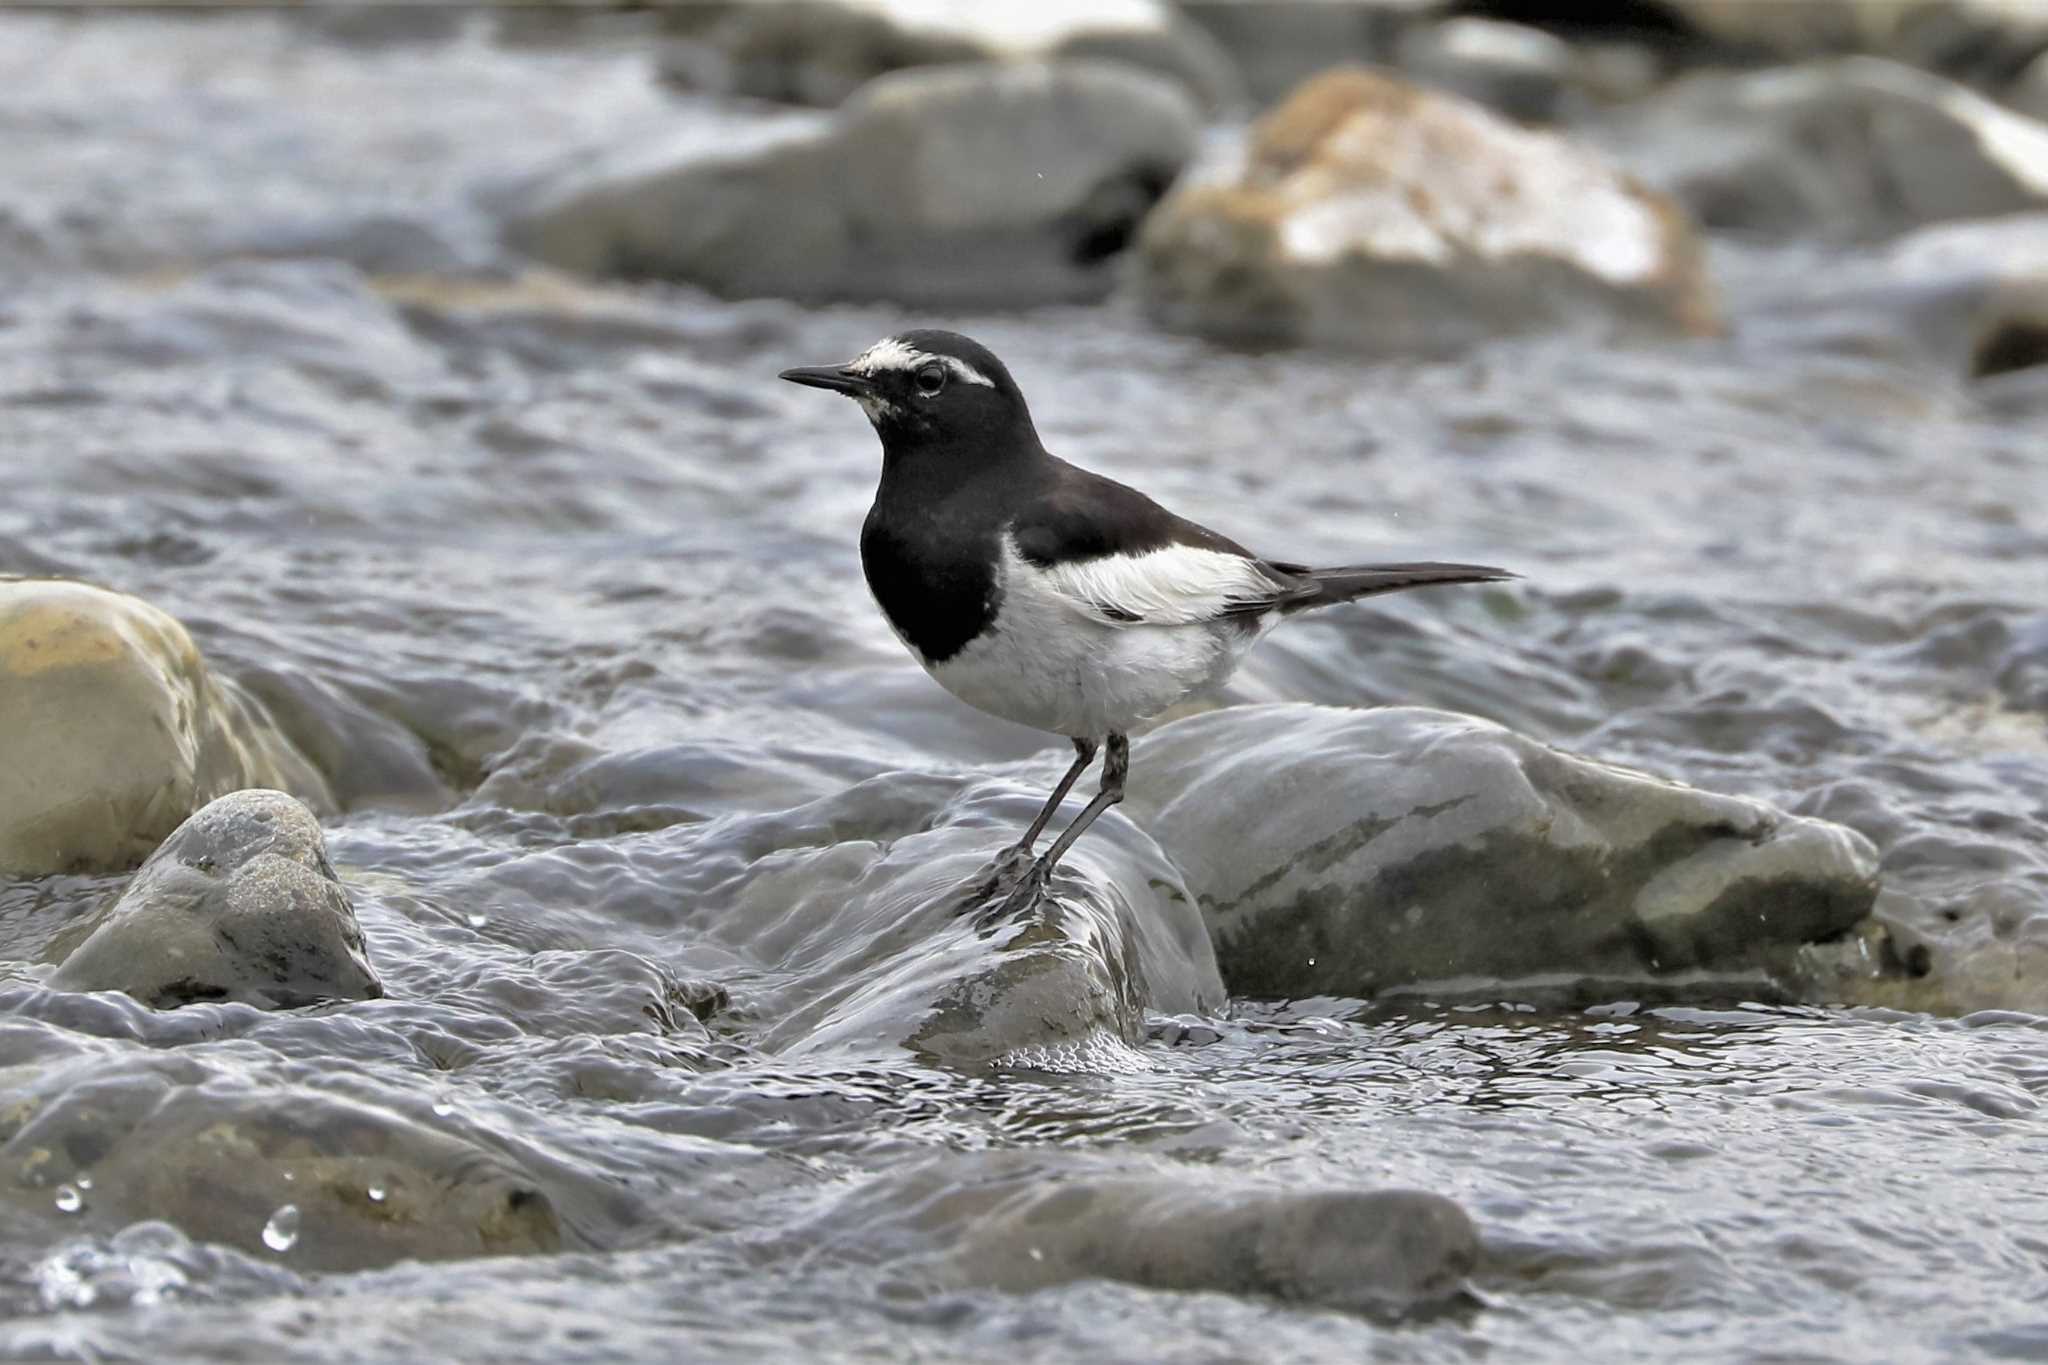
point(240, 903)
point(989, 183)
point(1023, 1221)
point(820, 52)
point(1851, 149)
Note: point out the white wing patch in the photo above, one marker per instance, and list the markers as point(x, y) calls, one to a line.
point(1177, 585)
point(892, 353)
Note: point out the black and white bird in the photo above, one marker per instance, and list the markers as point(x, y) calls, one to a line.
point(1043, 593)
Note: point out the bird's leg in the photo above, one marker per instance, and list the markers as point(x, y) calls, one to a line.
point(1017, 854)
point(1115, 764)
point(1084, 754)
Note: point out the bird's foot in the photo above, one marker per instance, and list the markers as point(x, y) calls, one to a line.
point(1008, 865)
point(1025, 894)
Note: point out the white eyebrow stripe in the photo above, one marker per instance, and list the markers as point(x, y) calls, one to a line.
point(890, 353)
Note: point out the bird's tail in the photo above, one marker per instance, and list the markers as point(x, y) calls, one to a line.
point(1327, 587)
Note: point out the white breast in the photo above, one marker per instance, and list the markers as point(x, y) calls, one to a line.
point(1054, 663)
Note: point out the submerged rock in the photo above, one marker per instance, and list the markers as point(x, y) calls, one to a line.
point(1853, 148)
point(240, 903)
point(116, 731)
point(819, 52)
point(1374, 214)
point(1024, 1221)
point(282, 1171)
point(1359, 852)
point(989, 183)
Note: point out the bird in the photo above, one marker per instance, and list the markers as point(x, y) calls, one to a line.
point(1048, 595)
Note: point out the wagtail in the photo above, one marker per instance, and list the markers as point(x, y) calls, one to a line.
point(1047, 595)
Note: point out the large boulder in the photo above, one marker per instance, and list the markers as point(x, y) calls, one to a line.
point(1360, 852)
point(819, 52)
point(948, 186)
point(240, 903)
point(1023, 1221)
point(116, 731)
point(1370, 213)
point(1852, 148)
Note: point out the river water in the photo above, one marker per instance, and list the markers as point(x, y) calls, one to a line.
point(565, 579)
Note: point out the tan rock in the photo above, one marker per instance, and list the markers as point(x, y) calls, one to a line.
point(115, 731)
point(1369, 212)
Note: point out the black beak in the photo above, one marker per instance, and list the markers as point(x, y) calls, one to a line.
point(837, 378)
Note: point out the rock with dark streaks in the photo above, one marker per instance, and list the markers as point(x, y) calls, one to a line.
point(1363, 852)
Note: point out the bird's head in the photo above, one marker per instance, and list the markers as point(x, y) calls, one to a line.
point(929, 388)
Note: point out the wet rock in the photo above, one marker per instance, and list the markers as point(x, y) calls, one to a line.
point(116, 730)
point(980, 184)
point(1022, 1222)
point(240, 903)
point(1980, 38)
point(1373, 214)
point(1278, 44)
point(1978, 292)
point(2029, 91)
point(1853, 148)
point(869, 903)
point(819, 52)
point(1969, 299)
point(1522, 72)
point(283, 1172)
point(1360, 852)
point(891, 944)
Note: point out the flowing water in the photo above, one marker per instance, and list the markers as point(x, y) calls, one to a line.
point(558, 586)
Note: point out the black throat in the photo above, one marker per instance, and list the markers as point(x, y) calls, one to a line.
point(932, 543)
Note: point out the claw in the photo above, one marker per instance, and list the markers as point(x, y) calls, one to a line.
point(1026, 893)
point(1006, 867)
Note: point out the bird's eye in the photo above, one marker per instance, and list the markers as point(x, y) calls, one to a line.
point(931, 379)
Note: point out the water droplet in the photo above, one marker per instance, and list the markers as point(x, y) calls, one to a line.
point(376, 1194)
point(1311, 962)
point(281, 1233)
point(85, 1182)
point(443, 1108)
point(1037, 1255)
point(69, 1200)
